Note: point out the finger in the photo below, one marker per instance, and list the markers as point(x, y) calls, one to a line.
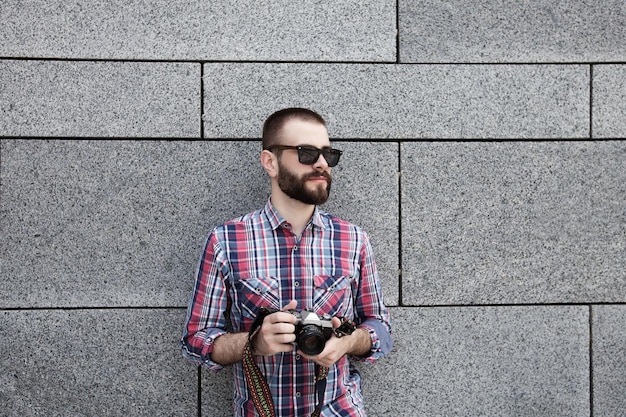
point(281, 317)
point(284, 347)
point(336, 322)
point(286, 338)
point(291, 306)
point(282, 327)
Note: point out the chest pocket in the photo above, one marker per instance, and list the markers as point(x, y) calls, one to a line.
point(333, 295)
point(255, 293)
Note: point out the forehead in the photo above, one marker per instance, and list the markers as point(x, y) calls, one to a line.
point(299, 132)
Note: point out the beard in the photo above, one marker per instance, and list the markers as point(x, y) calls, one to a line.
point(296, 187)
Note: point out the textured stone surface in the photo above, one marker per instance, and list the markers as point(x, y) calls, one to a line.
point(609, 101)
point(340, 30)
point(102, 223)
point(513, 222)
point(402, 101)
point(217, 393)
point(94, 363)
point(512, 31)
point(488, 361)
point(609, 365)
point(105, 99)
point(122, 223)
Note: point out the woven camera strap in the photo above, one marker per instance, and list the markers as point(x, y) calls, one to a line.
point(259, 390)
point(320, 385)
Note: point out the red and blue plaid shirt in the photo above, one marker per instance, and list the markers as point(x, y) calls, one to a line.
point(257, 261)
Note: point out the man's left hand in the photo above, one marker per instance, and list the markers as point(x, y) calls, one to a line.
point(358, 344)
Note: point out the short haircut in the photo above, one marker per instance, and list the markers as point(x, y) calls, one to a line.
point(275, 122)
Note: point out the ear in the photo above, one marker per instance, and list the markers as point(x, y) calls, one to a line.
point(269, 161)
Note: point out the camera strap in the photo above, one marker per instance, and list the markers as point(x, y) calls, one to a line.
point(320, 386)
point(259, 390)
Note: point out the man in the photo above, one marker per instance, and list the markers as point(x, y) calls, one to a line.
point(289, 257)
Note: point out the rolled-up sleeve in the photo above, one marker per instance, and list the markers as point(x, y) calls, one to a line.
point(381, 340)
point(372, 315)
point(205, 314)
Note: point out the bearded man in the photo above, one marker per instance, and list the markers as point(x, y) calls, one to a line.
point(289, 295)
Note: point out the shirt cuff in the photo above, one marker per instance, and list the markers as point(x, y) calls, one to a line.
point(381, 340)
point(204, 356)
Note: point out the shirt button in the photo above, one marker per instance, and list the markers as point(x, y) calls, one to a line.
point(296, 284)
point(298, 394)
point(298, 357)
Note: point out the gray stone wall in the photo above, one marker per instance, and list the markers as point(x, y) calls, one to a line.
point(485, 154)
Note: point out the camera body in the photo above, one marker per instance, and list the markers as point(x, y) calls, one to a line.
point(312, 331)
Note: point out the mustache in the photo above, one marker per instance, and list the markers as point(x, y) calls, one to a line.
point(324, 174)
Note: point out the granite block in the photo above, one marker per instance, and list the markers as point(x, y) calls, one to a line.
point(99, 99)
point(122, 223)
point(94, 363)
point(337, 30)
point(102, 223)
point(609, 101)
point(217, 393)
point(377, 101)
point(609, 360)
point(513, 222)
point(483, 361)
point(510, 31)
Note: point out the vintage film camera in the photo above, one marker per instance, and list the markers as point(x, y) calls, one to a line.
point(312, 331)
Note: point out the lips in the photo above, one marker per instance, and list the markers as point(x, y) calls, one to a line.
point(319, 176)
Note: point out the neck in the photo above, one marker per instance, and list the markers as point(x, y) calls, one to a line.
point(293, 211)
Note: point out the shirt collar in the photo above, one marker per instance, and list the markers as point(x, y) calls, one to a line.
point(275, 219)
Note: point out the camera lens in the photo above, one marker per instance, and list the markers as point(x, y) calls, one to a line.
point(311, 340)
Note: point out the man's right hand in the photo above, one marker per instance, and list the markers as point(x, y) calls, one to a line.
point(276, 334)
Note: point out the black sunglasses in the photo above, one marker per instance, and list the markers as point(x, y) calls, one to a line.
point(308, 155)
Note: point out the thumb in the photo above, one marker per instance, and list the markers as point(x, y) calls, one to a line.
point(291, 306)
point(336, 322)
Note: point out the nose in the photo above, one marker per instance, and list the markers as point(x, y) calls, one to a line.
point(321, 163)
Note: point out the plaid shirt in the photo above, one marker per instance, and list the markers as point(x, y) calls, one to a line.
point(257, 261)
